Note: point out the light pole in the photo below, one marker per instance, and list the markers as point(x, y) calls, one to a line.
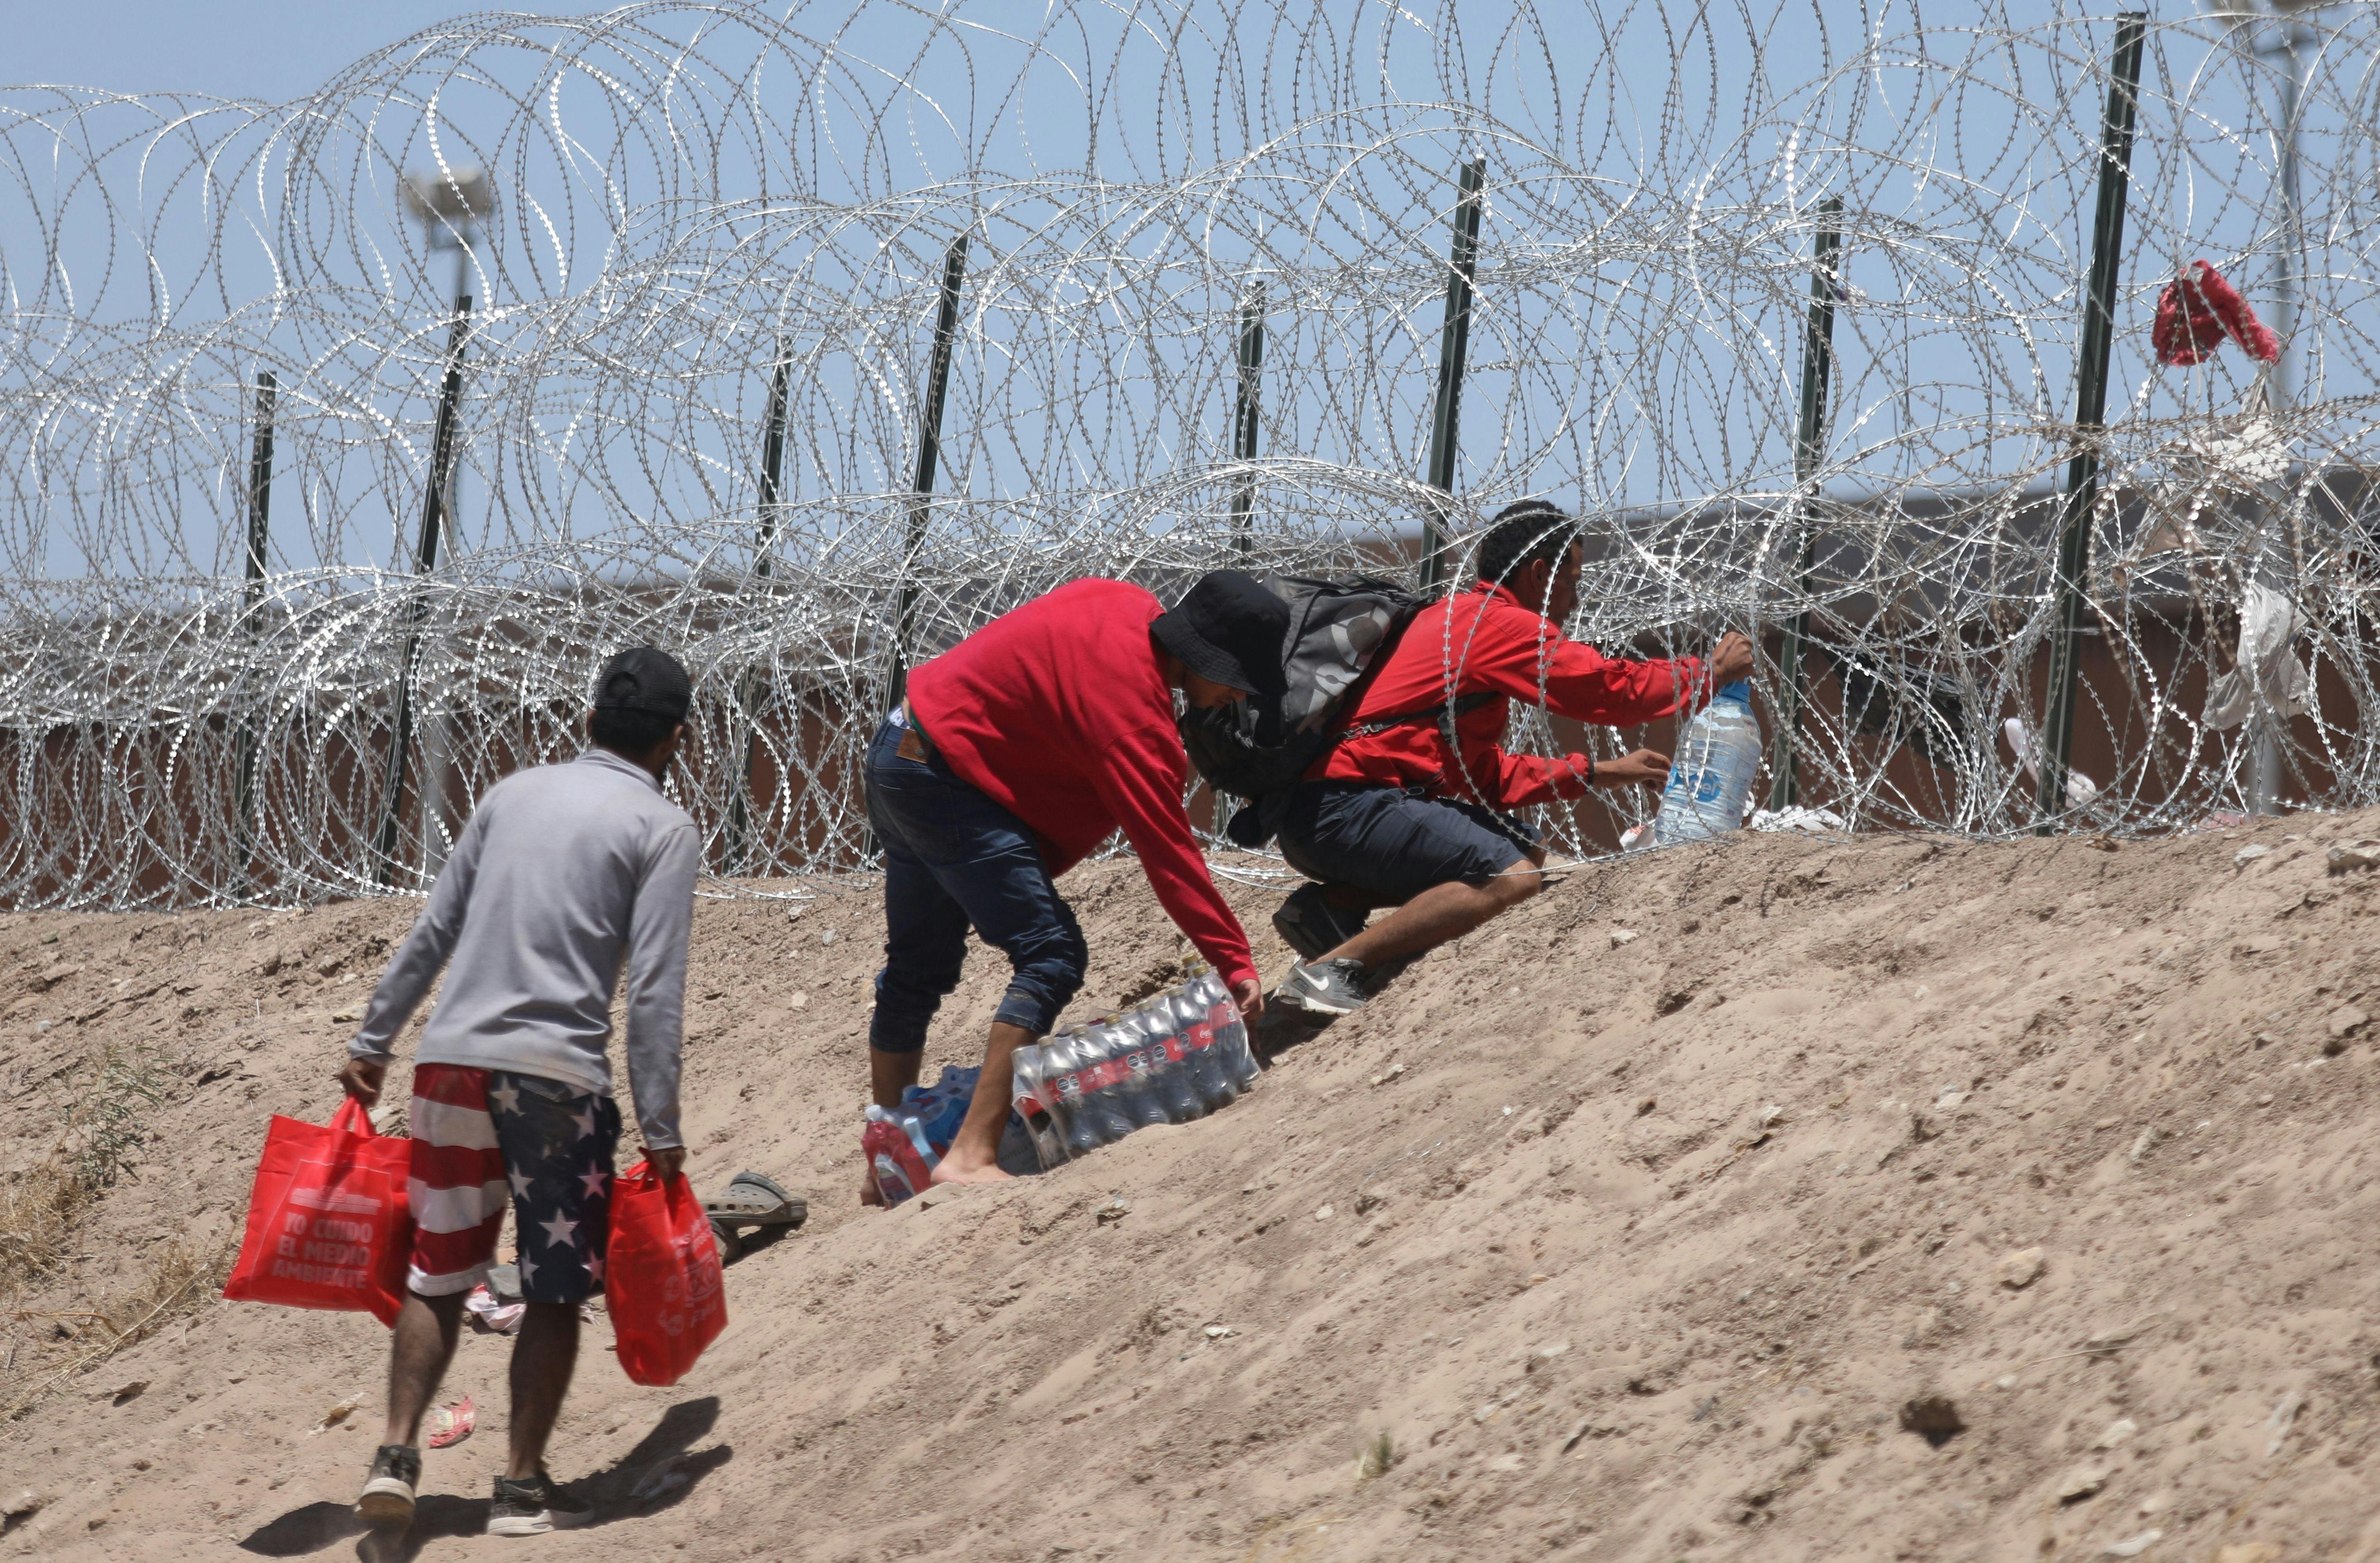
point(449, 204)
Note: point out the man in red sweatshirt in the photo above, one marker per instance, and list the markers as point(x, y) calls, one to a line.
point(1394, 817)
point(1017, 752)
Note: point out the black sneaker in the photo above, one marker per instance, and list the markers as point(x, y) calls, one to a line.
point(388, 1492)
point(535, 1507)
point(1312, 926)
point(1326, 988)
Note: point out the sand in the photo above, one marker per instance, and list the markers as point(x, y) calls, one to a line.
point(1630, 1249)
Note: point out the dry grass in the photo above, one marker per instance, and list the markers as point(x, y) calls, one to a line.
point(177, 1280)
point(43, 1210)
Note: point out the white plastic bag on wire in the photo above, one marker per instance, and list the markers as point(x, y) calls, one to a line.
point(2269, 623)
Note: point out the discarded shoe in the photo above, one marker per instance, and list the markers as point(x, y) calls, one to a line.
point(1312, 926)
point(752, 1199)
point(387, 1496)
point(1326, 988)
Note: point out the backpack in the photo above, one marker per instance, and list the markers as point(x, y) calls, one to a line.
point(1340, 634)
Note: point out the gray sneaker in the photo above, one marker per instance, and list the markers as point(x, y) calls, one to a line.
point(1312, 926)
point(1326, 988)
point(387, 1498)
point(535, 1507)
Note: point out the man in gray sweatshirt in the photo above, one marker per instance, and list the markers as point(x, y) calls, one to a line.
point(566, 876)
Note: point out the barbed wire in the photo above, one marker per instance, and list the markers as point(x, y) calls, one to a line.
point(695, 203)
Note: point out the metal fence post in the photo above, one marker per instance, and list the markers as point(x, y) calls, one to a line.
point(1453, 346)
point(1243, 415)
point(747, 685)
point(2090, 414)
point(260, 512)
point(425, 559)
point(930, 452)
point(1809, 443)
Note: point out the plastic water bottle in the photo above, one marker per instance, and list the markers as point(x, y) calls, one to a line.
point(1214, 1083)
point(1102, 1074)
point(1130, 1044)
point(1176, 1090)
point(1088, 1114)
point(1718, 758)
point(1030, 1100)
point(903, 1163)
point(1231, 1031)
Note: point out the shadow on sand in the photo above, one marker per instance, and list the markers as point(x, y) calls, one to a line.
point(660, 1471)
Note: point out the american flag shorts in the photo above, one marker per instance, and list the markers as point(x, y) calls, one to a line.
point(482, 1135)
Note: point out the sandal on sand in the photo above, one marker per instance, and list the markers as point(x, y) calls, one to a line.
point(752, 1199)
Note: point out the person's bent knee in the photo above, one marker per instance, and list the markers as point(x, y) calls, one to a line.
point(1047, 975)
point(1518, 882)
point(906, 1007)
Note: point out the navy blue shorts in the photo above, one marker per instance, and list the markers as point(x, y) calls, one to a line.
point(1385, 840)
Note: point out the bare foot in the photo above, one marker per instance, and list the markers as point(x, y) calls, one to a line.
point(956, 1168)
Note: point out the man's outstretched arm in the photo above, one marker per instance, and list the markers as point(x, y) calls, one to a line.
point(1142, 783)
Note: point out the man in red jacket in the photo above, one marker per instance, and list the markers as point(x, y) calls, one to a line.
point(1392, 816)
point(1017, 752)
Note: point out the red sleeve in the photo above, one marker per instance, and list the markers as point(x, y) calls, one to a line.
point(1142, 784)
point(1586, 686)
point(1522, 655)
point(1523, 780)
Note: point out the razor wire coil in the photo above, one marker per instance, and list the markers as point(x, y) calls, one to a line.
point(689, 196)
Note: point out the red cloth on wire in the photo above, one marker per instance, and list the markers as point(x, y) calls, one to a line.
point(2197, 310)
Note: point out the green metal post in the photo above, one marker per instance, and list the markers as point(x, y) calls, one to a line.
point(259, 513)
point(1453, 346)
point(930, 451)
point(1809, 445)
point(1243, 415)
point(2089, 414)
point(747, 686)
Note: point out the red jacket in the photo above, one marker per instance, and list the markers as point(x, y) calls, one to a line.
point(1483, 641)
point(1057, 712)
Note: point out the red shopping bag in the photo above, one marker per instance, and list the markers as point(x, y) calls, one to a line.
point(667, 1292)
point(327, 1224)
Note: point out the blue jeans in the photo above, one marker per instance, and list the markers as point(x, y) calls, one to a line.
point(953, 859)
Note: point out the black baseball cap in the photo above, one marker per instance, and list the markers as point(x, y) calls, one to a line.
point(645, 678)
point(1229, 628)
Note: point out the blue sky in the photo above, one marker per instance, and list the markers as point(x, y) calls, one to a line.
point(1643, 379)
point(270, 49)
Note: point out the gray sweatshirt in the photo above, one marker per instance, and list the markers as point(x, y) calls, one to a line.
point(564, 872)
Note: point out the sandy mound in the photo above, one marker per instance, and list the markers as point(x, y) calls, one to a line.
point(1629, 1249)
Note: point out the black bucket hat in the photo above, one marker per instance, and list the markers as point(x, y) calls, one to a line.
point(1230, 629)
point(645, 678)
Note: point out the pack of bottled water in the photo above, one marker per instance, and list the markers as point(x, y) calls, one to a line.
point(1710, 780)
point(903, 1144)
point(1180, 1056)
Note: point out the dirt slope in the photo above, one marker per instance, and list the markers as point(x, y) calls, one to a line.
point(1633, 1249)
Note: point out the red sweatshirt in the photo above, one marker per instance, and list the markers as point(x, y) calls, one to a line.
point(1483, 641)
point(1057, 712)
